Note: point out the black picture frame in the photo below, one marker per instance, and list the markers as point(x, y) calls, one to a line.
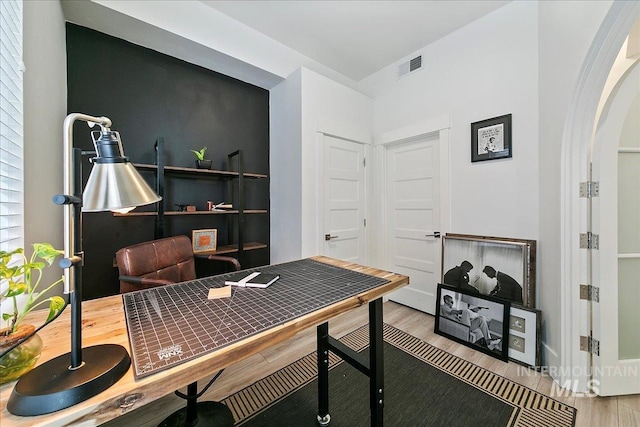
point(513, 260)
point(468, 330)
point(491, 139)
point(525, 324)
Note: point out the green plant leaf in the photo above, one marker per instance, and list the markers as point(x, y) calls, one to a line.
point(7, 255)
point(55, 305)
point(6, 316)
point(16, 289)
point(34, 266)
point(200, 153)
point(24, 275)
point(46, 251)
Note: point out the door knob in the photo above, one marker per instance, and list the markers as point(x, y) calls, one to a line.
point(435, 234)
point(328, 237)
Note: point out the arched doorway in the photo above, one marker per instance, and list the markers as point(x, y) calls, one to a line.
point(582, 265)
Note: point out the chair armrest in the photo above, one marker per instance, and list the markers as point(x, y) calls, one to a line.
point(231, 260)
point(144, 281)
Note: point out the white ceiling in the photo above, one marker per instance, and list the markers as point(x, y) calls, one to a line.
point(355, 38)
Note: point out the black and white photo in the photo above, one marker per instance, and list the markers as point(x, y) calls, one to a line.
point(480, 322)
point(491, 266)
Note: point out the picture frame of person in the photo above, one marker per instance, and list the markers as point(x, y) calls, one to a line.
point(495, 266)
point(204, 240)
point(491, 139)
point(477, 321)
point(524, 336)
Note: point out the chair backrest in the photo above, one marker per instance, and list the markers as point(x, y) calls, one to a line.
point(169, 259)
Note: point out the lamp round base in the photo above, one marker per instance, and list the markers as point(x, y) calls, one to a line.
point(210, 414)
point(52, 386)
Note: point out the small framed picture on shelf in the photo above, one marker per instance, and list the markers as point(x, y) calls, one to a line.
point(491, 139)
point(204, 240)
point(524, 335)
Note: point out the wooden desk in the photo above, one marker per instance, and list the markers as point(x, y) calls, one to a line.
point(104, 322)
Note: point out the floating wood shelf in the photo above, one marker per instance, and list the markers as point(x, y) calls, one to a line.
point(177, 213)
point(229, 249)
point(196, 172)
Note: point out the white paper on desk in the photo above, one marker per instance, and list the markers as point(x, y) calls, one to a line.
point(215, 293)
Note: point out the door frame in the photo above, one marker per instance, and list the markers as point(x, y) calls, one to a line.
point(576, 145)
point(348, 132)
point(440, 125)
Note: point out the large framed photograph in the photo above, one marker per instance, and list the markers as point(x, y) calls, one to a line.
point(524, 335)
point(493, 266)
point(477, 321)
point(204, 240)
point(491, 139)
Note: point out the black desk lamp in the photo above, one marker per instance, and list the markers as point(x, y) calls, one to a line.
point(114, 184)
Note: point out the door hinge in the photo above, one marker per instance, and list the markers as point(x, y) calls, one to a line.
point(589, 240)
point(590, 293)
point(590, 345)
point(589, 189)
point(365, 222)
point(364, 162)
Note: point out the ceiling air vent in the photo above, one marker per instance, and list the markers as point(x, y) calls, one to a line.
point(410, 66)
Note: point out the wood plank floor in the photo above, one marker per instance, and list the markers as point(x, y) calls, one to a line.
point(623, 411)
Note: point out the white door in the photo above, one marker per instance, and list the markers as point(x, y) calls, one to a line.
point(413, 220)
point(616, 263)
point(344, 200)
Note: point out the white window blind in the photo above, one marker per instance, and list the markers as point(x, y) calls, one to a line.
point(11, 126)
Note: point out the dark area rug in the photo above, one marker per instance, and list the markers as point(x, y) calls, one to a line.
point(424, 386)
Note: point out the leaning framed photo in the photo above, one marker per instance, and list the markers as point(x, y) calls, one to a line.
point(495, 266)
point(491, 139)
point(477, 321)
point(204, 240)
point(524, 335)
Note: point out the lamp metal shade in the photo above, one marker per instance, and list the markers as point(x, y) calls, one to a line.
point(113, 186)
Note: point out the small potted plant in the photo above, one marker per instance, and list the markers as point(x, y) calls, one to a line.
point(19, 295)
point(201, 162)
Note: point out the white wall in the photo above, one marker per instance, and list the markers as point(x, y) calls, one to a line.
point(285, 163)
point(486, 69)
point(325, 103)
point(45, 107)
point(317, 103)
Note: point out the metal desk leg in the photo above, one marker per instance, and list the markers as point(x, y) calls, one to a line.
point(373, 367)
point(376, 363)
point(323, 374)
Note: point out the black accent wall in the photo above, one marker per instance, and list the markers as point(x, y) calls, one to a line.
point(148, 95)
